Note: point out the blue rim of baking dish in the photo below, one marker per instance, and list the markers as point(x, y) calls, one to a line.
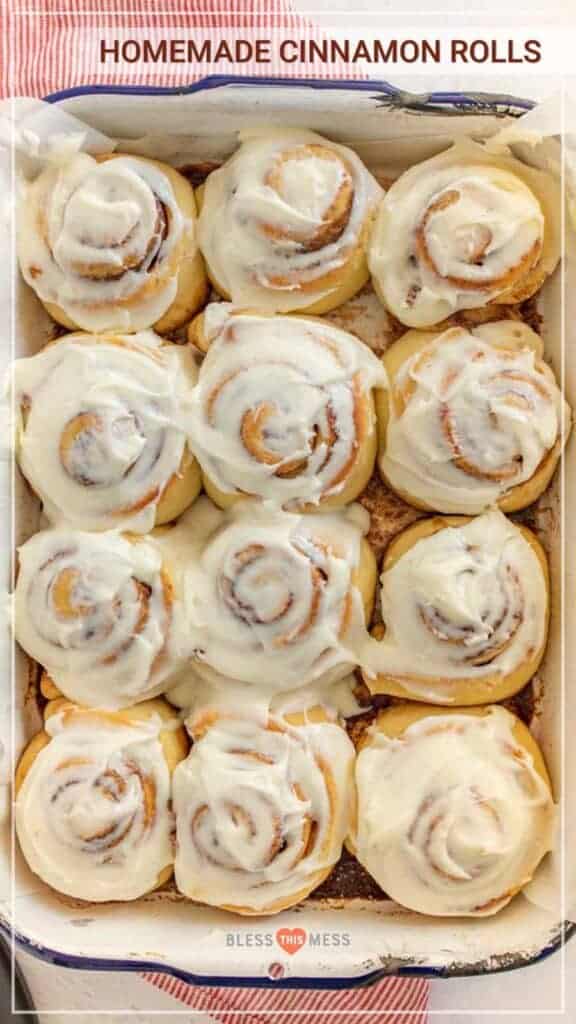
point(503, 964)
point(386, 96)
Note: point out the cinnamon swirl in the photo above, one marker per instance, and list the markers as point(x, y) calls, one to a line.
point(462, 230)
point(283, 409)
point(473, 418)
point(273, 599)
point(465, 606)
point(109, 243)
point(262, 807)
point(284, 223)
point(93, 814)
point(455, 810)
point(100, 438)
point(99, 613)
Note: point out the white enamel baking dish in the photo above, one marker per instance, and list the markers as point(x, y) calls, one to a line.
point(342, 946)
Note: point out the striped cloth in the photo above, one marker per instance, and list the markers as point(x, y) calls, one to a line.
point(50, 45)
point(391, 1001)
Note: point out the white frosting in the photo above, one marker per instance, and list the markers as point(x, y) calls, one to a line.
point(453, 815)
point(278, 394)
point(467, 602)
point(122, 403)
point(82, 812)
point(479, 420)
point(261, 812)
point(262, 214)
point(455, 232)
point(269, 597)
point(190, 692)
point(93, 609)
point(101, 241)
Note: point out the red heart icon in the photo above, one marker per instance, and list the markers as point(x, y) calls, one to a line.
point(291, 939)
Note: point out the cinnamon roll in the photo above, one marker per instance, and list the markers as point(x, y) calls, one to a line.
point(463, 230)
point(465, 607)
point(284, 223)
point(262, 807)
point(99, 612)
point(109, 243)
point(100, 437)
point(283, 409)
point(273, 599)
point(455, 810)
point(473, 418)
point(93, 814)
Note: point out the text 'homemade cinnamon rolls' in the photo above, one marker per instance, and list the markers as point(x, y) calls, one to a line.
point(100, 438)
point(455, 810)
point(99, 612)
point(284, 223)
point(465, 605)
point(109, 243)
point(273, 599)
point(472, 418)
point(93, 801)
point(463, 230)
point(262, 806)
point(283, 409)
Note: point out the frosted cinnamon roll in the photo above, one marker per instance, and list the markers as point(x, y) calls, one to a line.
point(262, 808)
point(93, 814)
point(283, 409)
point(463, 230)
point(109, 243)
point(472, 418)
point(455, 810)
point(273, 599)
point(284, 223)
point(465, 607)
point(100, 437)
point(99, 612)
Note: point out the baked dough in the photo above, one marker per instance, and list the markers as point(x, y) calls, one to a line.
point(464, 230)
point(93, 813)
point(262, 806)
point(283, 409)
point(465, 607)
point(472, 418)
point(108, 243)
point(284, 223)
point(455, 809)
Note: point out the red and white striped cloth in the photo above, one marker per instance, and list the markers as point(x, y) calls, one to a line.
point(391, 1001)
point(47, 46)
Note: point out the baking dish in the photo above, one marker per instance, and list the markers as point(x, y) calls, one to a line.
point(337, 947)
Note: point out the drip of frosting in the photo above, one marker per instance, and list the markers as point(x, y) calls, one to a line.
point(191, 692)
